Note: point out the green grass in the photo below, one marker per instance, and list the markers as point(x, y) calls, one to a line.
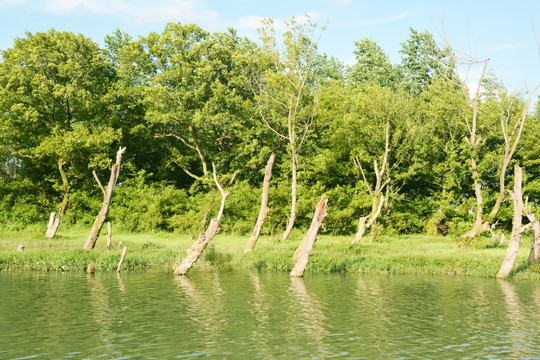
point(412, 254)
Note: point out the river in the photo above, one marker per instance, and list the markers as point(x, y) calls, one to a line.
point(249, 315)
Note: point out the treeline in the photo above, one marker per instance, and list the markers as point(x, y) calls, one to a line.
point(405, 148)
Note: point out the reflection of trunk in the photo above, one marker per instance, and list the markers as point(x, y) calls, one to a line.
point(303, 253)
point(107, 196)
point(513, 247)
point(292, 217)
point(196, 250)
point(309, 311)
point(54, 220)
point(263, 212)
point(362, 226)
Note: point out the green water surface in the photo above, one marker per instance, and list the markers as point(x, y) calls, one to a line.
point(243, 315)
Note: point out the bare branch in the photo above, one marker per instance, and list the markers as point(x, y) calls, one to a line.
point(359, 165)
point(99, 182)
point(176, 137)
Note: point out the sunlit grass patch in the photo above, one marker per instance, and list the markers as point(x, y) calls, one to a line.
point(411, 254)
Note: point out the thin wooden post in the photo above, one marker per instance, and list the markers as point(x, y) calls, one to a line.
point(109, 235)
point(305, 248)
point(124, 251)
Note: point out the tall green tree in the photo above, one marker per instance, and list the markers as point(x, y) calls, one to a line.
point(287, 93)
point(372, 65)
point(198, 102)
point(54, 101)
point(422, 61)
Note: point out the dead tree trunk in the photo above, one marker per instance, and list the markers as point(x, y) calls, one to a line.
point(205, 237)
point(52, 226)
point(513, 247)
point(292, 217)
point(362, 226)
point(107, 196)
point(535, 227)
point(263, 212)
point(54, 220)
point(303, 253)
point(377, 203)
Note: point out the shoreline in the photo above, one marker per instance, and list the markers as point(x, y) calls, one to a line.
point(404, 254)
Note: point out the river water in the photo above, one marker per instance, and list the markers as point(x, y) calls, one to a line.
point(249, 315)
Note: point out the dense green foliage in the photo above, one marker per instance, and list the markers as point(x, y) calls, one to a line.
point(185, 98)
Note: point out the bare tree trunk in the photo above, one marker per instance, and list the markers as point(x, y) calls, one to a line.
point(52, 226)
point(362, 226)
point(361, 229)
point(54, 220)
point(513, 247)
point(198, 247)
point(535, 245)
point(107, 196)
point(376, 202)
point(263, 211)
point(292, 217)
point(305, 248)
point(535, 227)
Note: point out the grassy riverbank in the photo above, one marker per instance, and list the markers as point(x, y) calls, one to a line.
point(414, 254)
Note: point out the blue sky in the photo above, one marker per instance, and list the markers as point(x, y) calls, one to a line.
point(505, 31)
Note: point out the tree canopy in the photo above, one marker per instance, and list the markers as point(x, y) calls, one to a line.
point(185, 98)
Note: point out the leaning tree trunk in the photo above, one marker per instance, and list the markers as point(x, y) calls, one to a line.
point(305, 248)
point(513, 247)
point(107, 196)
point(54, 220)
point(205, 237)
point(263, 212)
point(195, 251)
point(362, 226)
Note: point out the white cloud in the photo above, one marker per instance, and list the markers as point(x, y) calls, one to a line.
point(138, 11)
point(250, 22)
point(182, 11)
point(8, 3)
point(62, 7)
point(473, 88)
point(386, 20)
